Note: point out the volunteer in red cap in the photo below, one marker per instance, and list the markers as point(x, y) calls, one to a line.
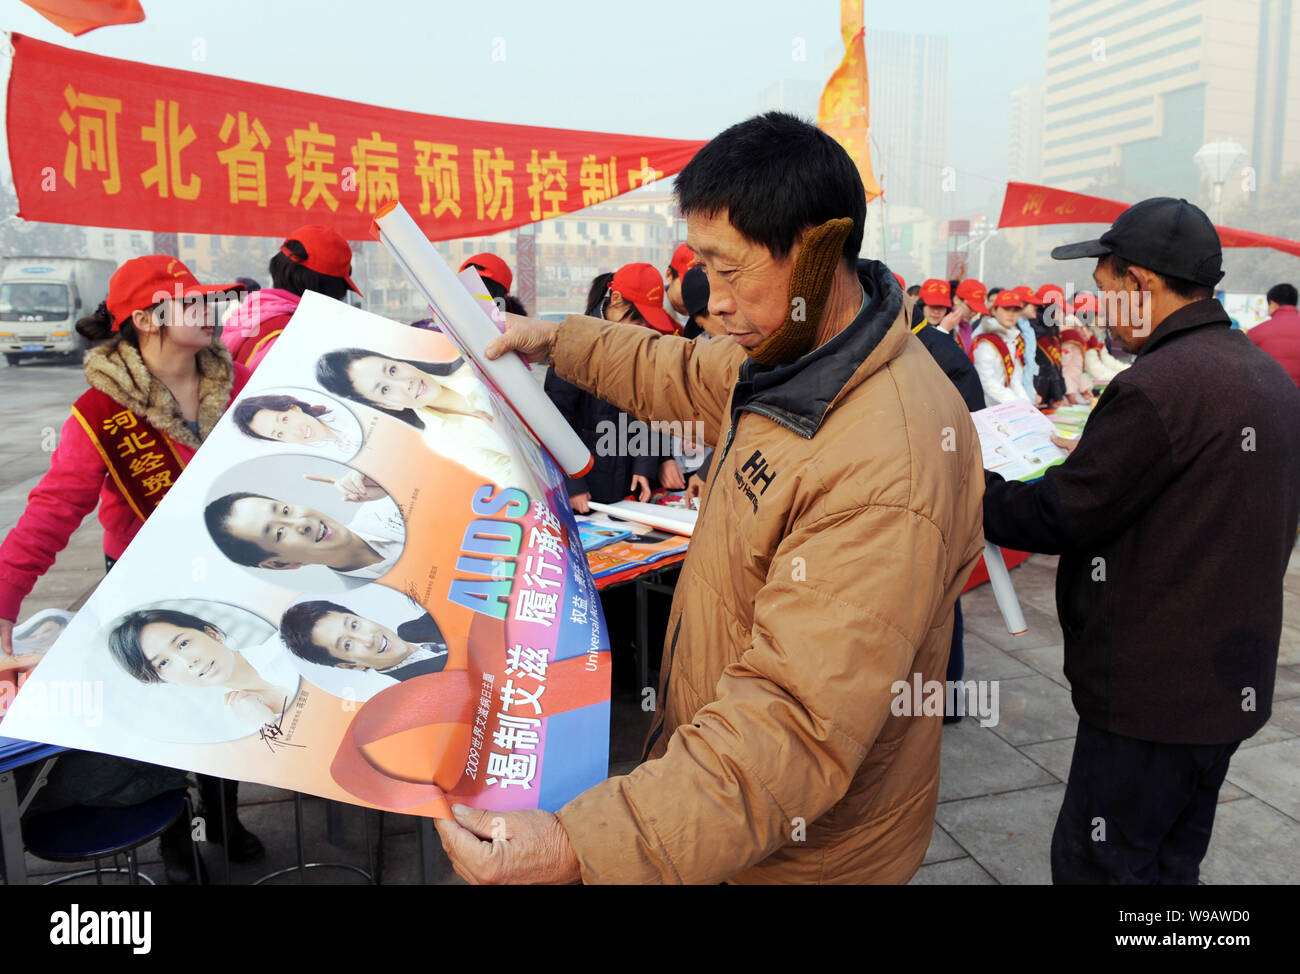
point(968, 304)
point(936, 299)
point(1049, 382)
point(156, 375)
point(494, 272)
point(683, 260)
point(313, 258)
point(999, 351)
point(639, 287)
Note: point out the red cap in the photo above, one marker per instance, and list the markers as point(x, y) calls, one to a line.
point(1026, 294)
point(936, 293)
point(143, 282)
point(899, 278)
point(1085, 302)
point(973, 292)
point(1008, 298)
point(642, 285)
point(1049, 293)
point(491, 268)
point(683, 260)
point(327, 252)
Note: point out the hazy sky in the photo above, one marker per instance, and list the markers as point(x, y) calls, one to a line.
point(670, 68)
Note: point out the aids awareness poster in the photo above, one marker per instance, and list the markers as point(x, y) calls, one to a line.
point(367, 586)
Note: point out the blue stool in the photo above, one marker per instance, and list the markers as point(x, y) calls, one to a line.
point(84, 832)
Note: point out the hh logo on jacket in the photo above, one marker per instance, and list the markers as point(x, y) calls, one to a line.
point(755, 474)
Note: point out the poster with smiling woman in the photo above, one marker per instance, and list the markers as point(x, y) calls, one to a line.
point(367, 585)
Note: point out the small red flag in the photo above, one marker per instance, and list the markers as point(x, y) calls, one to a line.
point(78, 17)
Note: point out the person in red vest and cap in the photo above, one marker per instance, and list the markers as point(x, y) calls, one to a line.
point(1049, 383)
point(683, 260)
point(156, 373)
point(313, 258)
point(998, 351)
point(1280, 335)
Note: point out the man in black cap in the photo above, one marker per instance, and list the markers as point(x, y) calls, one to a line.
point(1174, 517)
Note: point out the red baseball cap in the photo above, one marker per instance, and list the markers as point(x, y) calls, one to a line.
point(1085, 302)
point(1049, 293)
point(973, 292)
point(1009, 298)
point(683, 260)
point(902, 284)
point(327, 252)
point(936, 293)
point(491, 268)
point(644, 287)
point(1026, 294)
point(143, 282)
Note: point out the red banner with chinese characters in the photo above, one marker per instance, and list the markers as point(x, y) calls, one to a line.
point(1027, 205)
point(98, 141)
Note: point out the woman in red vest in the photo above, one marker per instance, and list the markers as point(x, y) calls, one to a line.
point(158, 384)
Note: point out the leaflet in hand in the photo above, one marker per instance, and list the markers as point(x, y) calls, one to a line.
point(363, 586)
point(1016, 440)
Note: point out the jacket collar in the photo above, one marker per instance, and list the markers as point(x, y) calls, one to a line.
point(1198, 314)
point(798, 395)
point(117, 370)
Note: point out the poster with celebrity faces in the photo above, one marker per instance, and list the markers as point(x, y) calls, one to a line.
point(367, 585)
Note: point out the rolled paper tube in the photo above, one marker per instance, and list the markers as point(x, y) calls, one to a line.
point(1003, 591)
point(676, 520)
point(470, 329)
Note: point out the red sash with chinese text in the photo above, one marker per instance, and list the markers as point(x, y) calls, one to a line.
point(1072, 336)
point(1008, 363)
point(1051, 347)
point(141, 461)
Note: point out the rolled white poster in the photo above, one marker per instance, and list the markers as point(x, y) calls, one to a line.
point(676, 520)
point(470, 329)
point(1003, 591)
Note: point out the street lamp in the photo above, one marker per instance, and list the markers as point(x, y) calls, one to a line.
point(1217, 161)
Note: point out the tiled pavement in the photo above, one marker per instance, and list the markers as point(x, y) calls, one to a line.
point(1000, 789)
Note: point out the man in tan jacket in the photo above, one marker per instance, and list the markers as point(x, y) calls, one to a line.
point(841, 520)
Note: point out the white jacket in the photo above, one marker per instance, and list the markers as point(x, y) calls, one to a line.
point(990, 368)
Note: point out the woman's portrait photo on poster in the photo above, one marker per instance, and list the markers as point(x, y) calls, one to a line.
point(195, 670)
point(304, 522)
point(445, 401)
point(293, 418)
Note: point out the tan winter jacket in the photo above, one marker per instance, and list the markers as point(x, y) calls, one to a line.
point(842, 518)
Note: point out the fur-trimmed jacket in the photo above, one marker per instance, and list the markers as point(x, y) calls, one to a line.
point(78, 477)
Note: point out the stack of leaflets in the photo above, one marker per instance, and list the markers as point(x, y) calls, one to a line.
point(1016, 440)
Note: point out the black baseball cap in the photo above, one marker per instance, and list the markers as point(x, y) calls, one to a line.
point(695, 290)
point(1171, 237)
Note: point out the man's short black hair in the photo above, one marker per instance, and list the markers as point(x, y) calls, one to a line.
point(297, 623)
point(1283, 294)
point(775, 175)
point(1183, 288)
point(216, 514)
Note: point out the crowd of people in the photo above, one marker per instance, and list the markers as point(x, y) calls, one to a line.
point(841, 514)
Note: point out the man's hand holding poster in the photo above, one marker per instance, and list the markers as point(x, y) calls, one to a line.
point(365, 586)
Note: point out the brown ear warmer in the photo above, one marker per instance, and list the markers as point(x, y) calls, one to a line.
point(810, 286)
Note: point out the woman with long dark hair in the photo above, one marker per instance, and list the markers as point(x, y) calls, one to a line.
point(158, 384)
point(444, 400)
point(168, 646)
point(281, 418)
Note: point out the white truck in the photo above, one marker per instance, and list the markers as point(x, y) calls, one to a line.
point(41, 299)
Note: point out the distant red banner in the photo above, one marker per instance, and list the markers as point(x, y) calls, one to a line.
point(1027, 205)
point(98, 141)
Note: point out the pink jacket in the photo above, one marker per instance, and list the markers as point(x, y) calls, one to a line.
point(78, 476)
point(250, 332)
